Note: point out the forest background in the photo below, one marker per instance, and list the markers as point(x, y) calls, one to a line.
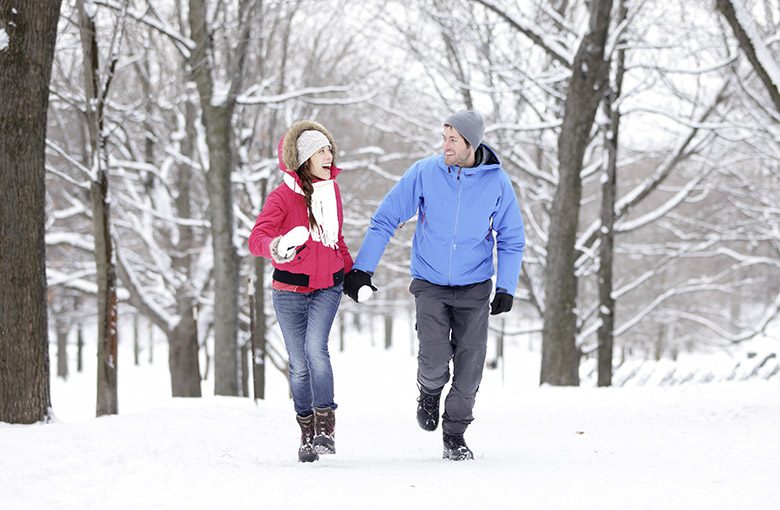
point(641, 136)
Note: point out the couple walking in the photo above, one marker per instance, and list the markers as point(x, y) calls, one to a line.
point(461, 197)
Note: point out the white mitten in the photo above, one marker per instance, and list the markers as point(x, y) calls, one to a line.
point(292, 239)
point(364, 293)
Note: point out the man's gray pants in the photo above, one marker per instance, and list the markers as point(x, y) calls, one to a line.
point(452, 324)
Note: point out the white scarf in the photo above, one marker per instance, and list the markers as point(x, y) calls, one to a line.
point(323, 205)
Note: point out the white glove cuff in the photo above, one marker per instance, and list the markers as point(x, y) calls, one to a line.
point(280, 258)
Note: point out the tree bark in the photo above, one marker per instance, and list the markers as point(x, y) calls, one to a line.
point(260, 328)
point(183, 355)
point(216, 119)
point(107, 401)
point(29, 32)
point(79, 348)
point(606, 332)
point(61, 329)
point(108, 340)
point(388, 331)
point(560, 355)
point(183, 351)
point(245, 348)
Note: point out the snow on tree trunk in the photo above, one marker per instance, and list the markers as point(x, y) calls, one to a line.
point(28, 31)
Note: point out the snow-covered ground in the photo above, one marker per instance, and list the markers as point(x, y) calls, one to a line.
point(690, 446)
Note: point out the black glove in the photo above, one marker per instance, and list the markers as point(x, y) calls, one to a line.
point(501, 303)
point(354, 280)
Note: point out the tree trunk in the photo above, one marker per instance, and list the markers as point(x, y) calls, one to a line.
point(183, 360)
point(388, 331)
point(216, 120)
point(607, 233)
point(79, 348)
point(136, 341)
point(260, 328)
point(342, 330)
point(107, 399)
point(62, 348)
point(500, 348)
point(245, 347)
point(225, 256)
point(107, 366)
point(659, 342)
point(183, 356)
point(151, 342)
point(560, 354)
point(30, 32)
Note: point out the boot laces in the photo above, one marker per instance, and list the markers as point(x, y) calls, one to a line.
point(323, 425)
point(429, 403)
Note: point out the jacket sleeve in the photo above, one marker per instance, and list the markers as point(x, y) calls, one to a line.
point(400, 204)
point(267, 226)
point(510, 238)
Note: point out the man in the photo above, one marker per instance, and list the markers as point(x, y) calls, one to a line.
point(461, 198)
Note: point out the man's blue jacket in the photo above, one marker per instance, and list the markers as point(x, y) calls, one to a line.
point(458, 209)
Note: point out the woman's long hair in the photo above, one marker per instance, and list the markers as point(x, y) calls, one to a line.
point(305, 175)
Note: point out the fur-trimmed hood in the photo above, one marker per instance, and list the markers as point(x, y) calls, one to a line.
point(288, 151)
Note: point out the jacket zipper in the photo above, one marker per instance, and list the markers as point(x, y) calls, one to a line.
point(453, 244)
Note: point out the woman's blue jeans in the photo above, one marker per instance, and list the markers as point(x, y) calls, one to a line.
point(305, 320)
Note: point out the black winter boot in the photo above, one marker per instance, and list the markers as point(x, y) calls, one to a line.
point(324, 431)
point(428, 410)
point(455, 448)
point(306, 452)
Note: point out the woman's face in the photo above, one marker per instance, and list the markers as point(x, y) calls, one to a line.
point(319, 163)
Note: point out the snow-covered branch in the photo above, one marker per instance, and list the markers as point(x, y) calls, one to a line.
point(183, 44)
point(551, 47)
point(248, 99)
point(752, 44)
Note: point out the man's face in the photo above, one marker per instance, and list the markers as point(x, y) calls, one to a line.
point(456, 151)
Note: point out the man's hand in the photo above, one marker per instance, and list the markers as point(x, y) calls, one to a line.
point(357, 285)
point(502, 302)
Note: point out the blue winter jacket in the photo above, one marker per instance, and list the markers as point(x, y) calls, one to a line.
point(458, 210)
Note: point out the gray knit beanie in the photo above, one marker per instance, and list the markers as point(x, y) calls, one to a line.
point(309, 142)
point(469, 124)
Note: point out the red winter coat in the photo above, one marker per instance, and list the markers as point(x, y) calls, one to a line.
point(315, 265)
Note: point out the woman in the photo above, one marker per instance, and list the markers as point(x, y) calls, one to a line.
point(299, 229)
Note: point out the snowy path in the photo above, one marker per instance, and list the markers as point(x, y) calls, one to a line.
point(702, 446)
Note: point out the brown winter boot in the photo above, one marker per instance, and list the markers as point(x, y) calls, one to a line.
point(306, 452)
point(325, 430)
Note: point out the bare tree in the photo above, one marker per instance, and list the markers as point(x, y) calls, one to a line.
point(28, 31)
